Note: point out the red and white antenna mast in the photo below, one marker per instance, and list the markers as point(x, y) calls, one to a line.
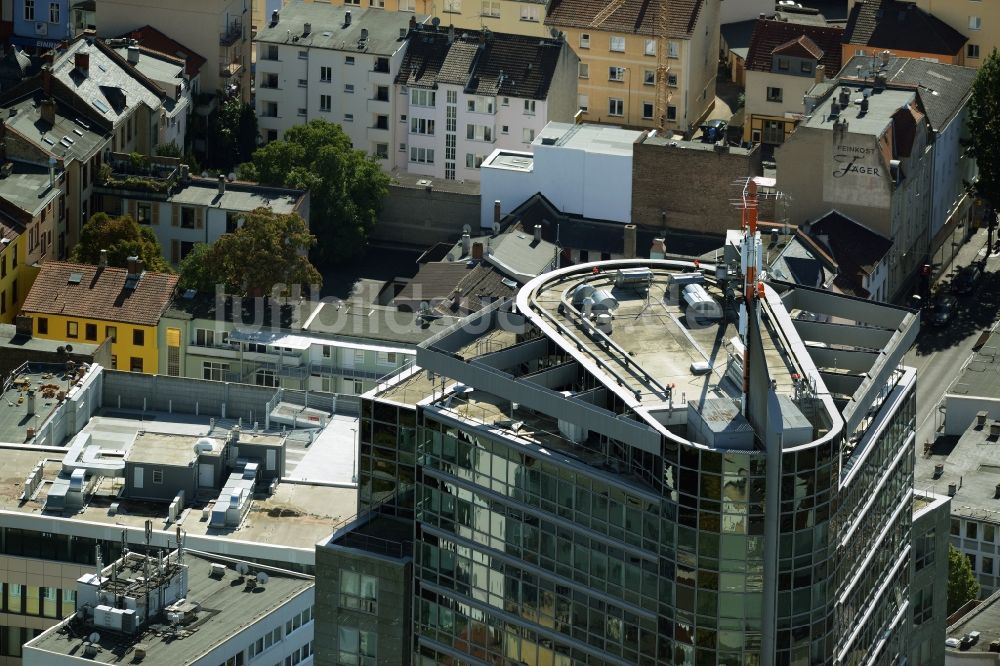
point(750, 266)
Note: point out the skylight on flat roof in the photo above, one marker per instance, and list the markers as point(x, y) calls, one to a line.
point(75, 278)
point(101, 106)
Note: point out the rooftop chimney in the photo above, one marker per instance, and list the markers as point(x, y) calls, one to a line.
point(659, 249)
point(496, 216)
point(48, 110)
point(477, 250)
point(347, 18)
point(820, 73)
point(466, 244)
point(538, 233)
point(103, 263)
point(630, 241)
point(23, 326)
point(133, 54)
point(135, 266)
point(46, 75)
point(185, 172)
point(307, 27)
point(82, 62)
point(451, 34)
point(413, 22)
point(222, 184)
point(274, 17)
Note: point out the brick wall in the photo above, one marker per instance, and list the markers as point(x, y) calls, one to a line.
point(695, 187)
point(414, 215)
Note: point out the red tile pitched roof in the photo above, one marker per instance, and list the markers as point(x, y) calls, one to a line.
point(813, 41)
point(635, 17)
point(154, 40)
point(100, 294)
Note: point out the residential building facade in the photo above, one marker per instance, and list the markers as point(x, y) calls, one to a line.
point(591, 542)
point(866, 152)
point(184, 210)
point(618, 59)
point(519, 17)
point(464, 95)
point(40, 25)
point(14, 277)
point(72, 302)
point(976, 21)
point(906, 29)
point(219, 31)
point(335, 64)
point(782, 64)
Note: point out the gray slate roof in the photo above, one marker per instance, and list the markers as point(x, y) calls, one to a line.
point(943, 89)
point(329, 30)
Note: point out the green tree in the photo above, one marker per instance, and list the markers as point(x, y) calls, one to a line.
point(168, 150)
point(198, 270)
point(962, 585)
point(122, 237)
point(234, 136)
point(983, 144)
point(346, 185)
point(269, 250)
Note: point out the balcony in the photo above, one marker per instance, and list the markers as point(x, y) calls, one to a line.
point(228, 71)
point(376, 105)
point(226, 351)
point(232, 34)
point(125, 174)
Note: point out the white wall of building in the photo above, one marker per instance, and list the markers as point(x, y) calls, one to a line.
point(352, 88)
point(732, 11)
point(510, 186)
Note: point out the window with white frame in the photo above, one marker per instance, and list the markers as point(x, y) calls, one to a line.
point(349, 88)
point(975, 22)
point(157, 476)
point(616, 73)
point(671, 113)
point(453, 6)
point(450, 141)
point(421, 155)
point(583, 70)
point(54, 12)
point(473, 161)
point(647, 110)
point(529, 13)
point(529, 106)
point(29, 10)
point(421, 126)
point(583, 101)
point(491, 8)
point(348, 117)
point(673, 50)
point(648, 77)
point(407, 5)
point(207, 337)
point(616, 106)
point(326, 74)
point(649, 48)
point(358, 592)
point(672, 80)
point(617, 44)
point(451, 97)
point(421, 97)
point(325, 103)
point(584, 40)
point(527, 135)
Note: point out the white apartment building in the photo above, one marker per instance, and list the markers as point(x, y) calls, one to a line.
point(332, 63)
point(463, 94)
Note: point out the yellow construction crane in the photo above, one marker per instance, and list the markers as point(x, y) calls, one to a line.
point(662, 62)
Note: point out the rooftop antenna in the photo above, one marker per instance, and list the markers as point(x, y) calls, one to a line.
point(180, 546)
point(753, 288)
point(145, 570)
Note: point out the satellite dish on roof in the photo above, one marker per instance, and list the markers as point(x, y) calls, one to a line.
point(242, 568)
point(466, 229)
point(262, 578)
point(435, 21)
point(94, 637)
point(231, 177)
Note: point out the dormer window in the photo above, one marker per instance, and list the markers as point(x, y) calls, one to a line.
point(782, 64)
point(807, 67)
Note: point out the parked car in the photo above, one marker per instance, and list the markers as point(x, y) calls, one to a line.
point(944, 309)
point(713, 131)
point(967, 279)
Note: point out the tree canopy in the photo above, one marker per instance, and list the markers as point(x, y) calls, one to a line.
point(269, 250)
point(122, 237)
point(962, 584)
point(233, 136)
point(346, 185)
point(984, 128)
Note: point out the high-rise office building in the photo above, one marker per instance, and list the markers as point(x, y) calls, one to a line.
point(623, 465)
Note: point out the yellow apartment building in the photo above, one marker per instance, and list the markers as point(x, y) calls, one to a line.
point(13, 281)
point(519, 17)
point(86, 303)
point(977, 20)
point(618, 58)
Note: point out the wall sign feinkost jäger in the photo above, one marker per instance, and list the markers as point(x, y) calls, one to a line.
point(847, 158)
